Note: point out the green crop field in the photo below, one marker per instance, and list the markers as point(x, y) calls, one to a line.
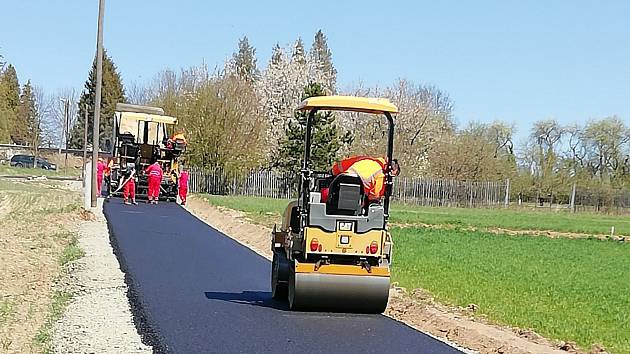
point(266, 211)
point(565, 289)
point(513, 219)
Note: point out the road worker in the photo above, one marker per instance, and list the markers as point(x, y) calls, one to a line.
point(107, 177)
point(371, 170)
point(154, 172)
point(183, 185)
point(129, 185)
point(100, 170)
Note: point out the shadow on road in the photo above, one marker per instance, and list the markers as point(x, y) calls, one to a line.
point(254, 298)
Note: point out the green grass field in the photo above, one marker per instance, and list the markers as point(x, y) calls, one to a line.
point(267, 211)
point(565, 289)
point(512, 219)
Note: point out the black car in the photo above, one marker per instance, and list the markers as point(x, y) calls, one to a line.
point(27, 161)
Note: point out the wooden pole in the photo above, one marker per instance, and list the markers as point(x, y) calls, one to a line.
point(85, 141)
point(97, 99)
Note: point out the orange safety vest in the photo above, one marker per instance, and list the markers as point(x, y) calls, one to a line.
point(179, 136)
point(369, 169)
point(108, 169)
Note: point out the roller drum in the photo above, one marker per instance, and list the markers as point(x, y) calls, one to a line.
point(339, 293)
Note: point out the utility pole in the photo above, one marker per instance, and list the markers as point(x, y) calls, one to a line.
point(85, 141)
point(97, 100)
point(63, 126)
point(67, 113)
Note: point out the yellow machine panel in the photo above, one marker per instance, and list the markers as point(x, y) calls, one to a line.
point(344, 242)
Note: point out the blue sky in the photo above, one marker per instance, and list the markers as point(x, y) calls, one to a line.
point(517, 61)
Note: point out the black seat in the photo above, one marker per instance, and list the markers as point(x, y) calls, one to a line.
point(345, 195)
point(127, 138)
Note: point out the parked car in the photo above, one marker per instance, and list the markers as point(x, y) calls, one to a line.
point(27, 161)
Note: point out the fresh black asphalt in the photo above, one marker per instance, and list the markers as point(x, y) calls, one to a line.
point(195, 290)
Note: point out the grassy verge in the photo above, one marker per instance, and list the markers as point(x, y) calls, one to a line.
point(6, 310)
point(262, 211)
point(38, 215)
point(562, 288)
point(267, 211)
point(60, 301)
point(7, 170)
point(72, 251)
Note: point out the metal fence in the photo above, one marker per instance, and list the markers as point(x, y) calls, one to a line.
point(428, 192)
point(450, 193)
point(423, 191)
point(267, 184)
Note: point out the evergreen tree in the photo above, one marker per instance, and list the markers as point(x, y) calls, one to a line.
point(28, 116)
point(112, 92)
point(10, 127)
point(276, 55)
point(9, 79)
point(244, 61)
point(325, 140)
point(298, 52)
point(321, 68)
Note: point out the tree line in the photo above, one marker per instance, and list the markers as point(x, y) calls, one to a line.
point(240, 116)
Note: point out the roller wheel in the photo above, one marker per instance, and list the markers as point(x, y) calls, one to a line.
point(293, 301)
point(278, 290)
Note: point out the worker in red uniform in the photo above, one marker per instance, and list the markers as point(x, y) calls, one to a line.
point(100, 170)
point(129, 186)
point(371, 170)
point(154, 172)
point(107, 174)
point(183, 185)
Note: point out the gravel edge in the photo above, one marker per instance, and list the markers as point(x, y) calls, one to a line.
point(99, 319)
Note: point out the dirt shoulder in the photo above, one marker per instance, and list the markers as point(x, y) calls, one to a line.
point(511, 232)
point(415, 308)
point(38, 221)
point(99, 319)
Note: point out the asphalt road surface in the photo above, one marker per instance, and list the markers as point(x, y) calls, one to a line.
point(195, 290)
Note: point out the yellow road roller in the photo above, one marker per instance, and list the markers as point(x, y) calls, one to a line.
point(334, 253)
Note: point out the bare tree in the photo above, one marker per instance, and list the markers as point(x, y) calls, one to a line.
point(219, 113)
point(55, 126)
point(425, 116)
point(137, 93)
point(607, 142)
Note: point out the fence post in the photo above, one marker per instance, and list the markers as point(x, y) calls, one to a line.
point(507, 193)
point(572, 205)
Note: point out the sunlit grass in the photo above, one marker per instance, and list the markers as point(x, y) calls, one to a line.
point(563, 288)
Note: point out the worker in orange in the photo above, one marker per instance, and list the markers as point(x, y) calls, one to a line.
point(107, 177)
point(172, 140)
point(179, 136)
point(154, 172)
point(371, 170)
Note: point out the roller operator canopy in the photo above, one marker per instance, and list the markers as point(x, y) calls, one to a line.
point(145, 117)
point(348, 103)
